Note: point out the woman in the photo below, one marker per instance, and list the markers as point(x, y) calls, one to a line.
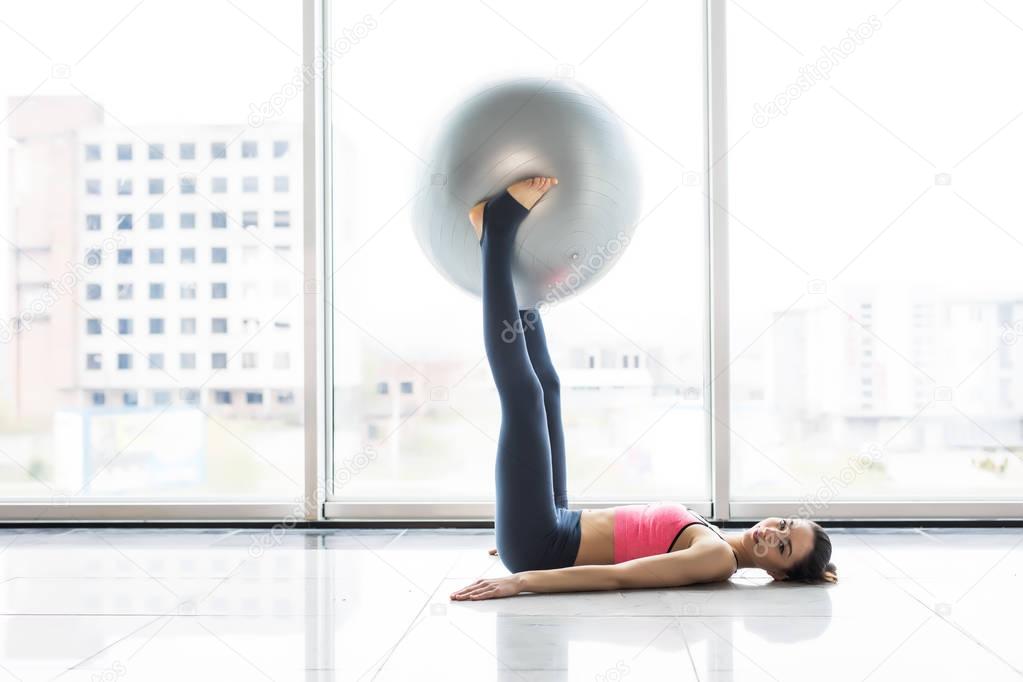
point(550, 548)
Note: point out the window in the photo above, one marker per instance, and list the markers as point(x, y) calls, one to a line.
point(161, 398)
point(250, 360)
point(156, 325)
point(218, 150)
point(92, 186)
point(187, 360)
point(186, 151)
point(282, 218)
point(93, 257)
point(124, 152)
point(188, 291)
point(130, 398)
point(156, 185)
point(406, 387)
point(125, 291)
point(189, 396)
point(93, 292)
point(218, 360)
point(155, 290)
point(93, 326)
point(93, 222)
point(280, 148)
point(187, 255)
point(187, 184)
point(250, 183)
point(93, 152)
point(280, 183)
point(125, 326)
point(250, 149)
point(155, 221)
point(218, 325)
point(156, 361)
point(93, 361)
point(222, 397)
point(218, 290)
point(218, 220)
point(124, 186)
point(218, 185)
point(186, 221)
point(156, 153)
point(98, 398)
point(124, 221)
point(218, 254)
point(253, 397)
point(187, 325)
point(250, 219)
point(124, 257)
point(124, 361)
point(156, 256)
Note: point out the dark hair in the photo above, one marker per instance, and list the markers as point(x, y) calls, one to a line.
point(816, 566)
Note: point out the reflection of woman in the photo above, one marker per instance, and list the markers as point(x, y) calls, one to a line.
point(550, 548)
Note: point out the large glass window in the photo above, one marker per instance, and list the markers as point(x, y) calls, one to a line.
point(100, 93)
point(875, 249)
point(416, 414)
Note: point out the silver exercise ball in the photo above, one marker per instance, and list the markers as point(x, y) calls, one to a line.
point(512, 131)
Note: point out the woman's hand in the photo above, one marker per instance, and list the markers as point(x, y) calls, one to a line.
point(489, 588)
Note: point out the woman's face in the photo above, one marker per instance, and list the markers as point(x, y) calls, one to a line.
point(777, 544)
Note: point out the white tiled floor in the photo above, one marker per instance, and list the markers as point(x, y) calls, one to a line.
point(118, 605)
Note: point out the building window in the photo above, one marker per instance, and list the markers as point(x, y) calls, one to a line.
point(161, 397)
point(286, 398)
point(187, 255)
point(124, 257)
point(188, 291)
point(155, 152)
point(93, 222)
point(218, 220)
point(124, 361)
point(253, 397)
point(218, 150)
point(281, 183)
point(187, 185)
point(124, 186)
point(99, 398)
point(156, 325)
point(382, 388)
point(125, 326)
point(93, 257)
point(124, 152)
point(92, 186)
point(156, 361)
point(130, 398)
point(218, 325)
point(189, 396)
point(155, 291)
point(250, 183)
point(93, 326)
point(218, 290)
point(280, 148)
point(218, 185)
point(93, 292)
point(222, 397)
point(187, 361)
point(250, 360)
point(186, 151)
point(250, 149)
point(218, 360)
point(187, 325)
point(156, 256)
point(125, 291)
point(406, 387)
point(93, 361)
point(250, 218)
point(218, 254)
point(125, 221)
point(282, 218)
point(156, 185)
point(155, 221)
point(93, 152)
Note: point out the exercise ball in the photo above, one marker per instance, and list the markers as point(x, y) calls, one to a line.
point(512, 131)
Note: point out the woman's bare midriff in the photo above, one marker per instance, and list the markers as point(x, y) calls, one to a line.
point(597, 542)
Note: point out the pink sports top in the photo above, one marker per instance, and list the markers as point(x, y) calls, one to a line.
point(647, 529)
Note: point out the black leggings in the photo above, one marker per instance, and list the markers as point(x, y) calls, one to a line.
point(535, 529)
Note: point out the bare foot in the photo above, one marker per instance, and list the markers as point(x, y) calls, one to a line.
point(493, 552)
point(526, 192)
